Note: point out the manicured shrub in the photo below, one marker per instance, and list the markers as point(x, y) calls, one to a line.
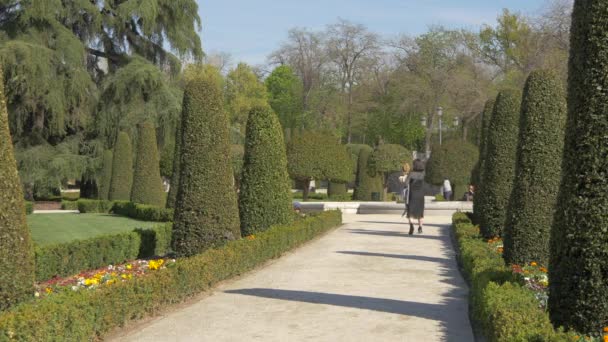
point(147, 186)
point(69, 205)
point(106, 175)
point(29, 208)
point(578, 269)
point(499, 167)
point(354, 150)
point(388, 159)
point(174, 185)
point(16, 253)
point(237, 155)
point(142, 212)
point(318, 156)
point(264, 197)
point(537, 172)
point(206, 211)
point(453, 160)
point(88, 315)
point(367, 182)
point(486, 118)
point(122, 169)
point(337, 190)
point(70, 196)
point(76, 256)
point(94, 206)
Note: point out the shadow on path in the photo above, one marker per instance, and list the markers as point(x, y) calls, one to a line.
point(394, 234)
point(436, 312)
point(399, 256)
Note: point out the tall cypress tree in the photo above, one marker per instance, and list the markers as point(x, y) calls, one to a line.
point(206, 211)
point(16, 253)
point(476, 176)
point(147, 186)
point(265, 196)
point(367, 183)
point(578, 272)
point(172, 196)
point(106, 175)
point(499, 169)
point(122, 169)
point(538, 170)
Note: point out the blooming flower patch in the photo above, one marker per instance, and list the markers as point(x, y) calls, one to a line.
point(102, 277)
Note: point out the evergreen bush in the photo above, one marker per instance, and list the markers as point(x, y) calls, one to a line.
point(499, 167)
point(265, 193)
point(388, 159)
point(174, 185)
point(537, 172)
point(476, 177)
point(367, 182)
point(122, 169)
point(106, 175)
point(453, 160)
point(147, 185)
point(16, 253)
point(578, 277)
point(206, 210)
point(337, 190)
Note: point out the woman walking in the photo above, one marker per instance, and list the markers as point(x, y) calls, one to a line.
point(415, 201)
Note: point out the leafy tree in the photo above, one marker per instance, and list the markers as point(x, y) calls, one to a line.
point(316, 155)
point(206, 211)
point(16, 250)
point(147, 186)
point(106, 175)
point(453, 160)
point(244, 91)
point(265, 192)
point(578, 268)
point(537, 172)
point(388, 159)
point(337, 190)
point(367, 182)
point(285, 96)
point(122, 169)
point(499, 166)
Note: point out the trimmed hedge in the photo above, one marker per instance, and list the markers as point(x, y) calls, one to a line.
point(71, 258)
point(486, 118)
point(579, 242)
point(366, 182)
point(106, 175)
point(538, 170)
point(337, 190)
point(499, 167)
point(16, 255)
point(264, 197)
point(87, 206)
point(455, 161)
point(69, 205)
point(122, 169)
point(147, 185)
point(174, 185)
point(29, 208)
point(502, 309)
point(142, 212)
point(88, 315)
point(388, 159)
point(206, 211)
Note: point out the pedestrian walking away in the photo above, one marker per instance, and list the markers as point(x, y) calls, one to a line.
point(447, 189)
point(415, 202)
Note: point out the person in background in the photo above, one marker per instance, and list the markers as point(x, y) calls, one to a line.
point(415, 202)
point(405, 190)
point(447, 189)
point(297, 209)
point(468, 196)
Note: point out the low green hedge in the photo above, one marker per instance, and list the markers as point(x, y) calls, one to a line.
point(88, 315)
point(70, 196)
point(29, 207)
point(87, 206)
point(503, 309)
point(142, 212)
point(73, 257)
point(69, 205)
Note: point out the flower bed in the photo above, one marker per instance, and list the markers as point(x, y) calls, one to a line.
point(88, 315)
point(507, 303)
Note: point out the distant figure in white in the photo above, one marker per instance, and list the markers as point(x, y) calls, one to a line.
point(447, 190)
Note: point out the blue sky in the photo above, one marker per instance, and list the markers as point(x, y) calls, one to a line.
point(251, 29)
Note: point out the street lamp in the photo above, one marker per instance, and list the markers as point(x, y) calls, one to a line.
point(456, 121)
point(423, 121)
point(440, 114)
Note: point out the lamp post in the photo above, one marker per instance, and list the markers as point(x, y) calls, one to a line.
point(440, 114)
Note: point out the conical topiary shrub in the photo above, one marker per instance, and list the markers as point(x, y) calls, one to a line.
point(265, 196)
point(499, 166)
point(16, 252)
point(578, 268)
point(174, 185)
point(147, 185)
point(367, 183)
point(206, 210)
point(337, 190)
point(122, 169)
point(476, 177)
point(454, 160)
point(537, 172)
point(106, 175)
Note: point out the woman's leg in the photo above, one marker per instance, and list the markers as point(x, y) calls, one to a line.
point(409, 218)
point(420, 223)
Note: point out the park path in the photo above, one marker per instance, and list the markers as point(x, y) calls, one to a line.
point(366, 281)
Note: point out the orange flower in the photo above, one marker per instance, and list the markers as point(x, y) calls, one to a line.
point(606, 329)
point(533, 263)
point(542, 269)
point(606, 338)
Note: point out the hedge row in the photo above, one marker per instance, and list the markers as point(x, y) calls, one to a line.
point(29, 207)
point(69, 205)
point(77, 256)
point(87, 315)
point(142, 212)
point(502, 309)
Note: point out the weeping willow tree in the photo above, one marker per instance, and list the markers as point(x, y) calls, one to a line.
point(82, 70)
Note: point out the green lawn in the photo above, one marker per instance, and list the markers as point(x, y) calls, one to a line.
point(58, 228)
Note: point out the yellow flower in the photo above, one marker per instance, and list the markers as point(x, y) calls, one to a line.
point(606, 329)
point(606, 338)
point(129, 266)
point(251, 237)
point(48, 290)
point(533, 263)
point(91, 281)
point(111, 281)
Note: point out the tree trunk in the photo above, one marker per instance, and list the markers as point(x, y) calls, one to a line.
point(306, 190)
point(349, 114)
